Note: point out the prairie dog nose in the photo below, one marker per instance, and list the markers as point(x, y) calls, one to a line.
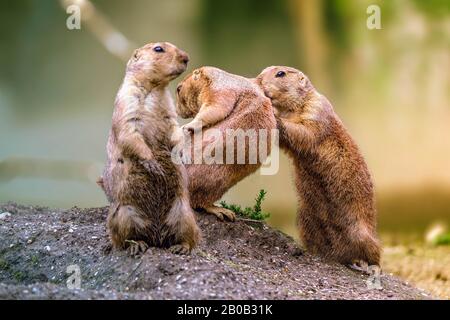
point(183, 57)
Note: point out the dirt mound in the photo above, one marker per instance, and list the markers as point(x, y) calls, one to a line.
point(40, 248)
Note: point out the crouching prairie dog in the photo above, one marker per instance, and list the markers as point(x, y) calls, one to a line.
point(229, 105)
point(147, 190)
point(336, 215)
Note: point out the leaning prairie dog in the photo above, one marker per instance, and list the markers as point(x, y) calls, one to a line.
point(147, 190)
point(224, 103)
point(336, 215)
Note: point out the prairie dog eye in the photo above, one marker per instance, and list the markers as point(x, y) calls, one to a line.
point(280, 74)
point(158, 49)
point(179, 88)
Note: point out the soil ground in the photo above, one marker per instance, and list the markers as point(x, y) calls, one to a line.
point(424, 265)
point(240, 260)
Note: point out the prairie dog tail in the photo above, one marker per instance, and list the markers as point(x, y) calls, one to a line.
point(181, 220)
point(371, 251)
point(365, 245)
point(125, 224)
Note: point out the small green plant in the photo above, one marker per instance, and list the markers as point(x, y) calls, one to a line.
point(443, 239)
point(253, 213)
point(3, 264)
point(34, 260)
point(19, 276)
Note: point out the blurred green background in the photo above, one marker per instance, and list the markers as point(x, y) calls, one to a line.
point(390, 87)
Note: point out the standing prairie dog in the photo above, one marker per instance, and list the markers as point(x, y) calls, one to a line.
point(225, 103)
point(336, 215)
point(147, 190)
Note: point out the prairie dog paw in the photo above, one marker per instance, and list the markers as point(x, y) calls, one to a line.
point(191, 128)
point(187, 130)
point(136, 248)
point(221, 213)
point(180, 249)
point(360, 266)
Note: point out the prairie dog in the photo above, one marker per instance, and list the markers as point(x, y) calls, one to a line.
point(147, 191)
point(223, 102)
point(337, 214)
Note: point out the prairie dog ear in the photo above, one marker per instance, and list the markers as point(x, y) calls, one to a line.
point(136, 54)
point(196, 74)
point(135, 57)
point(303, 80)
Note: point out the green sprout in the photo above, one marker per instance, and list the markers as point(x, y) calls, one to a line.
point(443, 239)
point(253, 213)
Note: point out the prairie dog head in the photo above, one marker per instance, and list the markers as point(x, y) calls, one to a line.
point(210, 86)
point(188, 92)
point(159, 62)
point(288, 88)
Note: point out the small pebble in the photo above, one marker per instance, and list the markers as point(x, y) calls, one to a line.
point(5, 215)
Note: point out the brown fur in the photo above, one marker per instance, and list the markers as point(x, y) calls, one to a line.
point(221, 101)
point(147, 190)
point(336, 215)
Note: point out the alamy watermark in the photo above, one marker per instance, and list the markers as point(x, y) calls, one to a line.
point(373, 21)
point(374, 280)
point(73, 22)
point(73, 282)
point(230, 146)
point(213, 146)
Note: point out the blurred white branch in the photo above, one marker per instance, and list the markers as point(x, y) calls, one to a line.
point(97, 23)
